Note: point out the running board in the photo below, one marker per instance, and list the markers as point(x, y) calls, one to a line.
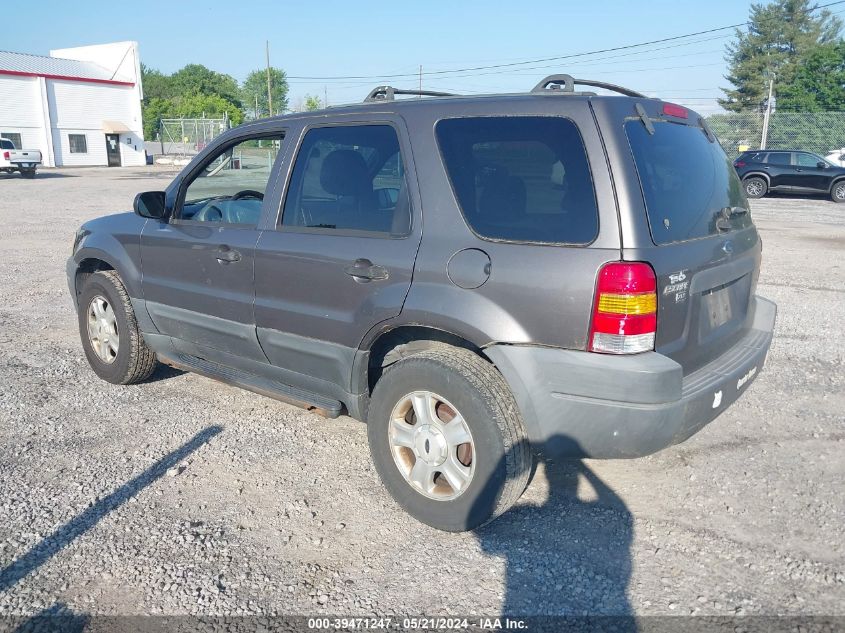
point(266, 387)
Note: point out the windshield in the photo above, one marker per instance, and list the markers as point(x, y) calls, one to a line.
point(686, 180)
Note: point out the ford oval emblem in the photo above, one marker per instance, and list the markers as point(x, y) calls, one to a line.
point(728, 247)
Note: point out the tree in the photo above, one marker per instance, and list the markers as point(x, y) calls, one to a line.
point(208, 106)
point(779, 39)
point(312, 103)
point(156, 84)
point(199, 80)
point(255, 89)
point(819, 84)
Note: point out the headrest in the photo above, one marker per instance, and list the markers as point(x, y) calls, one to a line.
point(344, 173)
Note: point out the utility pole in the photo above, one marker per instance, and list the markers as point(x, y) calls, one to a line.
point(269, 93)
point(420, 80)
point(325, 97)
point(768, 114)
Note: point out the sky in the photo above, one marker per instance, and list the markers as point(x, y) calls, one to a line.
point(374, 39)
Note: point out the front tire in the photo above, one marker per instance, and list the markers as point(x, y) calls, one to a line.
point(113, 345)
point(837, 192)
point(755, 187)
point(447, 439)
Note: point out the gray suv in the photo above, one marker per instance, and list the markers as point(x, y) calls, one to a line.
point(481, 279)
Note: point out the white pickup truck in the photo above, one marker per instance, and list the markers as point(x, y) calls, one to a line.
point(12, 159)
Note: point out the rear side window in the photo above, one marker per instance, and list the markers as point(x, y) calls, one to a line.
point(686, 181)
point(522, 179)
point(349, 178)
point(779, 158)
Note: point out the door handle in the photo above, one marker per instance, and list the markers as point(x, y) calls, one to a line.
point(226, 255)
point(363, 271)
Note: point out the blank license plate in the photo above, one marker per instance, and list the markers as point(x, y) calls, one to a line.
point(718, 305)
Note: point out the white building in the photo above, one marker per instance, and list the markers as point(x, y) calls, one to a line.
point(79, 106)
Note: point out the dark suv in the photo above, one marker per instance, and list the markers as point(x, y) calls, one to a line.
point(785, 171)
point(481, 279)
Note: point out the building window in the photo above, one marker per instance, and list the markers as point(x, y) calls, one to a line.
point(14, 137)
point(78, 143)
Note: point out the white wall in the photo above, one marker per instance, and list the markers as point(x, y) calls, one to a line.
point(78, 107)
point(44, 111)
point(21, 112)
point(81, 108)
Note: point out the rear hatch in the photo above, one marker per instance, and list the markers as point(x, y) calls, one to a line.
point(703, 245)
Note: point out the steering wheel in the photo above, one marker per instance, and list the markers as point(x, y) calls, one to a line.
point(248, 193)
point(209, 213)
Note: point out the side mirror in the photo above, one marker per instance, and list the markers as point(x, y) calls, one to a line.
point(150, 204)
point(821, 165)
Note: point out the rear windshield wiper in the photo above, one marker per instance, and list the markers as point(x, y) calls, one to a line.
point(732, 211)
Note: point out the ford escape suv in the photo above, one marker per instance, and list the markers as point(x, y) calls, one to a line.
point(481, 279)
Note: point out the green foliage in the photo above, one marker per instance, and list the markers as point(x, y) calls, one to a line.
point(819, 84)
point(193, 91)
point(255, 89)
point(155, 109)
point(312, 102)
point(197, 79)
point(780, 38)
point(208, 106)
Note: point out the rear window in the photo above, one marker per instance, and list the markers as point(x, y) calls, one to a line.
point(686, 181)
point(4, 144)
point(523, 179)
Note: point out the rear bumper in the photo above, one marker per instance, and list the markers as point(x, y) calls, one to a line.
point(582, 404)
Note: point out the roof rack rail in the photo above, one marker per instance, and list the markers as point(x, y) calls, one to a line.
point(386, 93)
point(567, 83)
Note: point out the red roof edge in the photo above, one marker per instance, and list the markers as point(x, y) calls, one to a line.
point(113, 82)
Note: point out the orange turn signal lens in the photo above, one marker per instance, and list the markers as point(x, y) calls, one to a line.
point(613, 303)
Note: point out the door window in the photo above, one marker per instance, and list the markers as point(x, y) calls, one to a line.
point(349, 178)
point(808, 160)
point(230, 188)
point(779, 158)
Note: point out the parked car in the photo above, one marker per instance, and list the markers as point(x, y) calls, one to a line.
point(785, 171)
point(836, 157)
point(12, 159)
point(477, 278)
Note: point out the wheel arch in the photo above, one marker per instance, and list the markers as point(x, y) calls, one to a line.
point(91, 259)
point(391, 345)
point(760, 174)
point(835, 182)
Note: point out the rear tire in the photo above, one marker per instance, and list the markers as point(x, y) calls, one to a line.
point(755, 187)
point(837, 192)
point(113, 345)
point(462, 387)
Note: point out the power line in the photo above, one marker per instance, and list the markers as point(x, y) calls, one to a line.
point(545, 59)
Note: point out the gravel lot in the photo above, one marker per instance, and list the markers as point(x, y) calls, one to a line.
point(185, 496)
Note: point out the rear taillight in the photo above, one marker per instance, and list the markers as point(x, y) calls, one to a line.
point(6, 155)
point(625, 309)
point(739, 163)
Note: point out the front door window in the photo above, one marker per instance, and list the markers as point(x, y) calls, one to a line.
point(230, 189)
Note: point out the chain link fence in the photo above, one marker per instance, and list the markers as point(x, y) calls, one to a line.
point(818, 132)
point(180, 139)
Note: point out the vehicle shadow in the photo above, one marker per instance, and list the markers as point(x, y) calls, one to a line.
point(55, 619)
point(41, 175)
point(568, 556)
point(163, 372)
point(50, 545)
